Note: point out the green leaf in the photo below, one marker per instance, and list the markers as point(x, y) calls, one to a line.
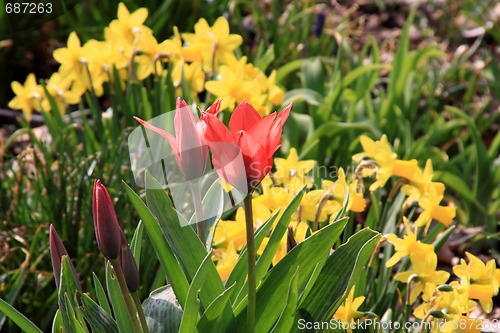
point(117, 302)
point(162, 248)
point(191, 315)
point(281, 227)
point(288, 68)
point(99, 320)
point(310, 96)
point(70, 323)
point(331, 128)
point(100, 294)
point(339, 274)
point(240, 270)
point(313, 75)
point(286, 320)
point(136, 243)
point(70, 287)
point(307, 255)
point(183, 240)
point(57, 325)
point(18, 318)
point(266, 258)
point(214, 320)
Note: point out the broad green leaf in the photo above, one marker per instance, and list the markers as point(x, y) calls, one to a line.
point(305, 256)
point(338, 275)
point(99, 320)
point(313, 75)
point(18, 318)
point(70, 323)
point(286, 320)
point(117, 302)
point(162, 248)
point(183, 240)
point(70, 287)
point(191, 316)
point(213, 319)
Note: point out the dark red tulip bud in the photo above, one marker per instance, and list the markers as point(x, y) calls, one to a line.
point(129, 267)
point(107, 229)
point(290, 240)
point(57, 251)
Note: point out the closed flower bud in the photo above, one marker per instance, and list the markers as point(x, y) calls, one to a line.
point(57, 251)
point(290, 240)
point(129, 267)
point(107, 231)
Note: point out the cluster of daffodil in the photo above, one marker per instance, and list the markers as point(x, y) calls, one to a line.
point(446, 304)
point(317, 207)
point(203, 60)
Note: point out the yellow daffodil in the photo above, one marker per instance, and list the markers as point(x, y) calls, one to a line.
point(58, 89)
point(420, 184)
point(151, 55)
point(482, 277)
point(348, 312)
point(387, 163)
point(291, 167)
point(356, 202)
point(75, 64)
point(274, 197)
point(226, 259)
point(234, 231)
point(240, 81)
point(127, 27)
point(192, 75)
point(462, 324)
point(215, 43)
point(28, 96)
point(428, 278)
point(454, 302)
point(309, 207)
point(408, 245)
point(102, 64)
point(432, 210)
point(232, 86)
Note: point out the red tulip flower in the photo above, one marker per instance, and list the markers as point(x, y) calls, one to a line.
point(188, 145)
point(256, 138)
point(107, 230)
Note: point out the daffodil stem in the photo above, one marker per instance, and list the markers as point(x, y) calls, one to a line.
point(126, 295)
point(252, 283)
point(138, 306)
point(198, 209)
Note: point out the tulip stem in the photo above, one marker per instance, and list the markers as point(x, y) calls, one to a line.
point(198, 208)
point(138, 306)
point(126, 295)
point(252, 283)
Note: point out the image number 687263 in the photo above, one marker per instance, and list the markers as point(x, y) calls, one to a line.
point(28, 8)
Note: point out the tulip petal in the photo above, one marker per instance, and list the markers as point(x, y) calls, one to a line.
point(244, 117)
point(170, 138)
point(276, 129)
